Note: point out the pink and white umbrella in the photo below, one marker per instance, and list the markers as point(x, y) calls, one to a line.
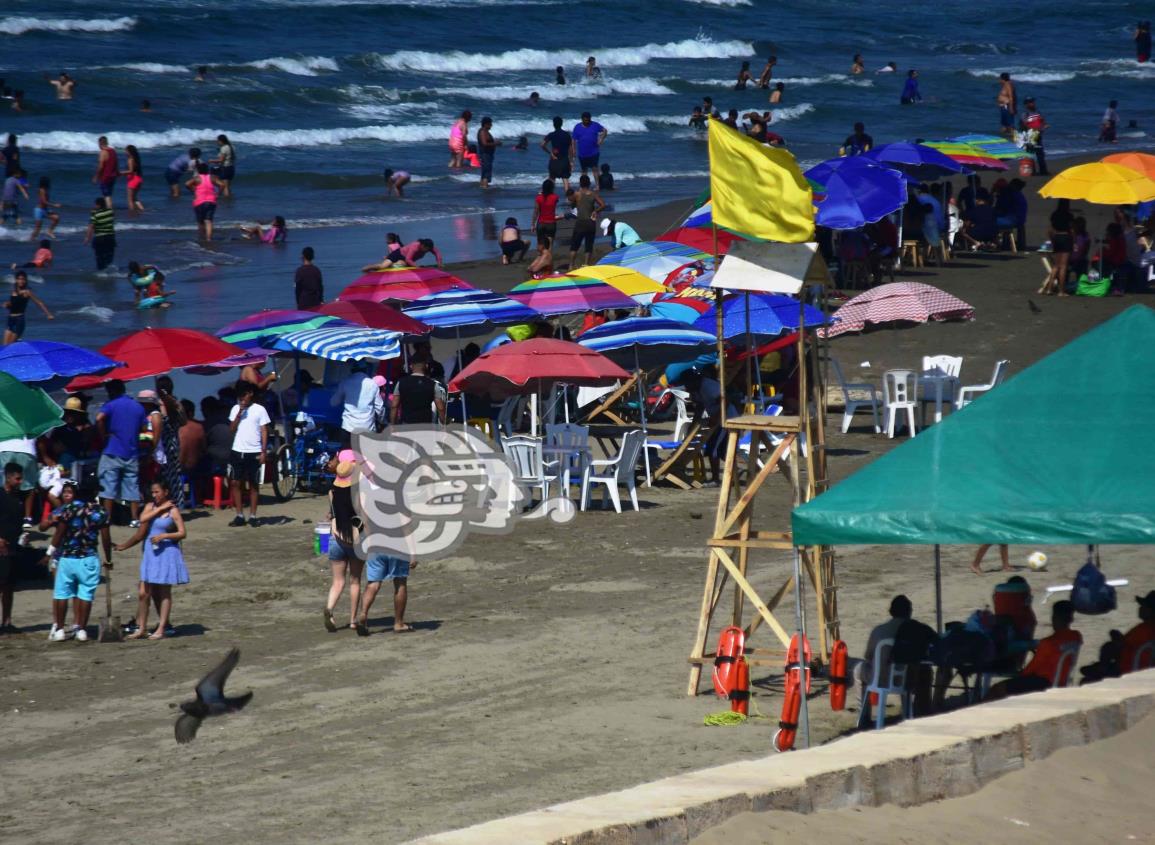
point(908, 302)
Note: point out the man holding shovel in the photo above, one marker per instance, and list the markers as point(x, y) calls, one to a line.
point(78, 528)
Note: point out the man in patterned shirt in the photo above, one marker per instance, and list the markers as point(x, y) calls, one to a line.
point(79, 526)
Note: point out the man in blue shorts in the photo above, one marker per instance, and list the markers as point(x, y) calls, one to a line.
point(120, 422)
point(79, 527)
point(178, 168)
point(386, 568)
point(587, 143)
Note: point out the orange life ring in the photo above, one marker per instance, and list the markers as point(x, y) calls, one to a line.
point(839, 680)
point(783, 739)
point(731, 647)
point(740, 694)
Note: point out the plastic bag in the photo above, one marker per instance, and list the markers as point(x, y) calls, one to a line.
point(1092, 594)
point(1087, 287)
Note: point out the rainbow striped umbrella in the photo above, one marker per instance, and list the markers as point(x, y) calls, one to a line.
point(993, 145)
point(565, 294)
point(655, 259)
point(968, 154)
point(629, 281)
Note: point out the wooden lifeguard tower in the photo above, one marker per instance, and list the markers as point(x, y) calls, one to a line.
point(741, 549)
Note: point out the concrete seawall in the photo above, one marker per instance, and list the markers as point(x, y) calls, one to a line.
point(914, 762)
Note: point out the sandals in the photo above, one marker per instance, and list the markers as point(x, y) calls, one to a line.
point(362, 629)
point(330, 625)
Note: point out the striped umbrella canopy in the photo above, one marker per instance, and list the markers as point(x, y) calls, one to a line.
point(766, 316)
point(374, 315)
point(248, 331)
point(630, 282)
point(684, 309)
point(973, 157)
point(645, 343)
point(402, 284)
point(339, 343)
point(655, 259)
point(995, 146)
point(702, 239)
point(565, 294)
point(461, 313)
point(907, 302)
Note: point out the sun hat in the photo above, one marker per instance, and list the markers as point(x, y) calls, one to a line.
point(73, 403)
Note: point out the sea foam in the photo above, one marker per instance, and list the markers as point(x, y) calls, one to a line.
point(21, 25)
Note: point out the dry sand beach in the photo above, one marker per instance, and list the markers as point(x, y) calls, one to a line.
point(546, 665)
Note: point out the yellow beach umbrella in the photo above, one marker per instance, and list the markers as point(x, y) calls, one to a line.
point(1100, 183)
point(1142, 162)
point(630, 282)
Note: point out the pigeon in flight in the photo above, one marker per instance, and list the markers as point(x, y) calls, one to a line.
point(210, 700)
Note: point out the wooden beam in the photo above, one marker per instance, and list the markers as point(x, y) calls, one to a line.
point(607, 403)
point(753, 596)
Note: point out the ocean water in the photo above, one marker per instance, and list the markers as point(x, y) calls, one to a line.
point(319, 96)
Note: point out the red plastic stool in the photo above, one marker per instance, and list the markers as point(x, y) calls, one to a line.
point(220, 488)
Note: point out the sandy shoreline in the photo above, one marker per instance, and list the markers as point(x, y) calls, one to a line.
point(547, 665)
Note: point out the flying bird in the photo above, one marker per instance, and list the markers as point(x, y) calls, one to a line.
point(210, 700)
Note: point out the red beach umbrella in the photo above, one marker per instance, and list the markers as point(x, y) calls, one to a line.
point(535, 365)
point(701, 238)
point(403, 284)
point(373, 315)
point(151, 352)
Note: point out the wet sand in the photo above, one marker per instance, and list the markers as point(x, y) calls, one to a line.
point(547, 665)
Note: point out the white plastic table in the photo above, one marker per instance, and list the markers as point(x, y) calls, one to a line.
point(936, 385)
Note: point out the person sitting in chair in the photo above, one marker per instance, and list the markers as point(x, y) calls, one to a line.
point(912, 640)
point(1039, 674)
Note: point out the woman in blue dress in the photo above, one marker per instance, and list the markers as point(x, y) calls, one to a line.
point(162, 563)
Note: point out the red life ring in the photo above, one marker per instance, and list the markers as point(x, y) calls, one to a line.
point(783, 739)
point(839, 680)
point(731, 647)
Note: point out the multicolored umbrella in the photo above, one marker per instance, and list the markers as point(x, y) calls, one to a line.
point(995, 146)
point(403, 284)
point(570, 294)
point(702, 239)
point(43, 360)
point(703, 215)
point(857, 192)
point(916, 161)
point(535, 366)
point(150, 352)
point(461, 313)
point(973, 157)
point(1100, 183)
point(248, 331)
point(908, 302)
point(684, 309)
point(339, 343)
point(25, 411)
point(654, 259)
point(695, 274)
point(770, 315)
point(647, 342)
point(374, 315)
point(1139, 162)
point(629, 281)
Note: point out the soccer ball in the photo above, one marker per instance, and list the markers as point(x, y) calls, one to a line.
point(1037, 561)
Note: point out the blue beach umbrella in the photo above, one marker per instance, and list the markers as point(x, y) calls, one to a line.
point(462, 313)
point(43, 360)
point(916, 161)
point(654, 259)
point(647, 342)
point(340, 343)
point(857, 194)
point(770, 315)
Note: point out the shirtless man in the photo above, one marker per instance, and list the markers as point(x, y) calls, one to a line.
point(767, 72)
point(1008, 105)
point(63, 86)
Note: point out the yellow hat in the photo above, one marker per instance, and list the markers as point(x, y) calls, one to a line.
point(344, 474)
point(73, 403)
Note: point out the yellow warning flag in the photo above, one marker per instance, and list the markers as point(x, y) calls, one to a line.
point(758, 190)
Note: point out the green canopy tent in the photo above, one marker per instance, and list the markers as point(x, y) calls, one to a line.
point(1058, 454)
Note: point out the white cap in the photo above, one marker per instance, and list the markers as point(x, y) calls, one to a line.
point(605, 224)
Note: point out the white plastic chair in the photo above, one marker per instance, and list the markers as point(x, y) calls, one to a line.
point(1144, 657)
point(568, 445)
point(899, 393)
point(851, 405)
point(615, 471)
point(950, 365)
point(895, 685)
point(1065, 668)
point(970, 392)
point(506, 417)
point(682, 421)
point(525, 454)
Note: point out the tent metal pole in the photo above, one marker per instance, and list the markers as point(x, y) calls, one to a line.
point(938, 587)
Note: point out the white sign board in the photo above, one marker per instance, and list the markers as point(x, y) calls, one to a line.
point(769, 267)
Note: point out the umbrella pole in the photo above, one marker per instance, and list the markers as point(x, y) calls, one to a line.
point(938, 587)
point(641, 390)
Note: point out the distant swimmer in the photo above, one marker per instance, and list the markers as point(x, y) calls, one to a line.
point(178, 167)
point(43, 210)
point(858, 143)
point(767, 72)
point(458, 138)
point(1143, 42)
point(276, 232)
point(891, 67)
point(910, 93)
point(1108, 128)
point(560, 71)
point(487, 146)
point(777, 94)
point(534, 100)
point(732, 119)
point(558, 144)
point(1008, 105)
point(744, 77)
point(146, 106)
point(395, 181)
point(592, 69)
point(107, 169)
point(64, 85)
point(202, 74)
point(857, 66)
point(697, 119)
point(708, 107)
